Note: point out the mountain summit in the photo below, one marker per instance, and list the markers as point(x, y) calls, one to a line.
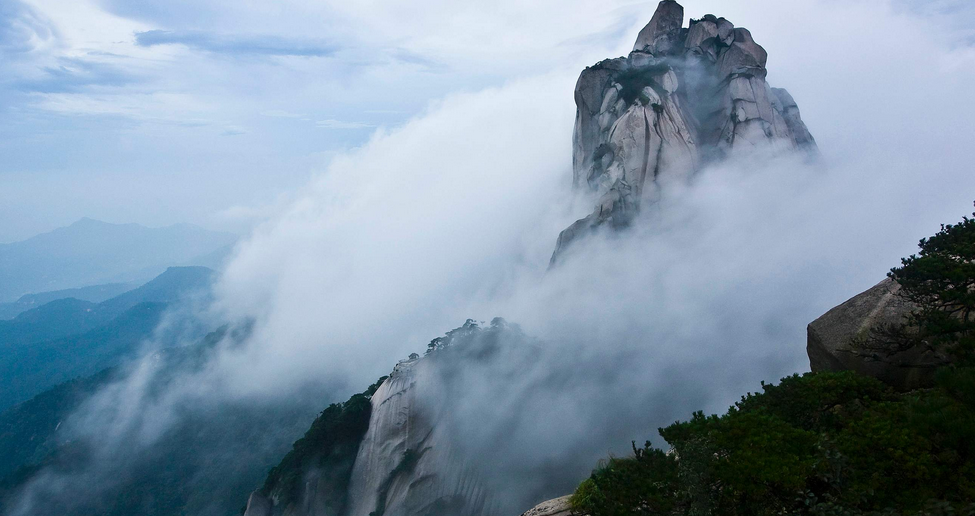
point(683, 98)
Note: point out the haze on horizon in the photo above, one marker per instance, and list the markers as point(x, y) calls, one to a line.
point(214, 113)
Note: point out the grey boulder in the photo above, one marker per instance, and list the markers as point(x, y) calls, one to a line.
point(555, 507)
point(830, 337)
point(662, 34)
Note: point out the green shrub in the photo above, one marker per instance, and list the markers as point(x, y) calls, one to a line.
point(641, 485)
point(328, 448)
point(826, 443)
point(939, 281)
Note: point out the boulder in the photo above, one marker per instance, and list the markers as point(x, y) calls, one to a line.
point(829, 339)
point(555, 507)
point(662, 34)
point(726, 31)
point(743, 56)
point(699, 32)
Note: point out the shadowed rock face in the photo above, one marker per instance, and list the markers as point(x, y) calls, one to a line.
point(406, 465)
point(682, 98)
point(409, 461)
point(829, 339)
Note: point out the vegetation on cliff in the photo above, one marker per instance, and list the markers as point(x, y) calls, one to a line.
point(823, 444)
point(326, 452)
point(940, 282)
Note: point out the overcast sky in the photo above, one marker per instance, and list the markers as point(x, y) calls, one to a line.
point(214, 112)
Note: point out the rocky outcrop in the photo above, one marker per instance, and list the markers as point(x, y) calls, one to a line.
point(406, 465)
point(682, 98)
point(662, 34)
point(830, 339)
point(555, 507)
point(391, 450)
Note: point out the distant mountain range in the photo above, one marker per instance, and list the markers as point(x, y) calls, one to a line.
point(94, 294)
point(206, 463)
point(91, 252)
point(67, 338)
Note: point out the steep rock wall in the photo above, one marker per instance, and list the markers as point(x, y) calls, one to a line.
point(406, 464)
point(682, 98)
point(402, 460)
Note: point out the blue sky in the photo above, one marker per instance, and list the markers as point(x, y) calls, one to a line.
point(214, 112)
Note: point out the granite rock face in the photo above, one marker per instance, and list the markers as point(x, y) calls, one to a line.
point(556, 507)
point(406, 465)
point(663, 31)
point(829, 338)
point(258, 505)
point(408, 461)
point(684, 97)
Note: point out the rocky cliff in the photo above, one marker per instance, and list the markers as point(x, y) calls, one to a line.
point(406, 464)
point(682, 98)
point(406, 460)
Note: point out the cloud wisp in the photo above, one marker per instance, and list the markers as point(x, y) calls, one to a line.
point(71, 75)
point(233, 44)
point(22, 28)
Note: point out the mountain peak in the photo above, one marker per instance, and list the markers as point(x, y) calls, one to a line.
point(684, 97)
point(92, 252)
point(88, 221)
point(663, 31)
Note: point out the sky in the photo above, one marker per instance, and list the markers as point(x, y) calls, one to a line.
point(214, 112)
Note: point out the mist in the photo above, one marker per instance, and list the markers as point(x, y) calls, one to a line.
point(454, 215)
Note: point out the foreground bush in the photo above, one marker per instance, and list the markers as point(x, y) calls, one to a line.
point(818, 444)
